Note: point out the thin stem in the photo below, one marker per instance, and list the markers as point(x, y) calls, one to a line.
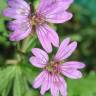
point(27, 43)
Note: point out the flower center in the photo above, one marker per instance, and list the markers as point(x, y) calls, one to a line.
point(37, 19)
point(53, 67)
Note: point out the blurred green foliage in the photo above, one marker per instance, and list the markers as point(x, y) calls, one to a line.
point(15, 80)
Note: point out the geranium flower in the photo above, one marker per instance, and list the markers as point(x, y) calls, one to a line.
point(48, 11)
point(51, 76)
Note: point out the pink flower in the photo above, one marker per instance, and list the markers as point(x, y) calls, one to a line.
point(48, 11)
point(51, 76)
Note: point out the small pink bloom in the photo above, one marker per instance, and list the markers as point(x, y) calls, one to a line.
point(51, 76)
point(48, 11)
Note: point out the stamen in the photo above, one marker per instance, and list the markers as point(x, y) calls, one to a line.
point(37, 19)
point(53, 67)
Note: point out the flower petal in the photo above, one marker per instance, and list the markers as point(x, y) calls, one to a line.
point(15, 13)
point(63, 86)
point(55, 10)
point(66, 51)
point(40, 53)
point(43, 37)
point(12, 13)
point(70, 49)
point(46, 84)
point(18, 4)
point(21, 31)
point(58, 17)
point(73, 65)
point(17, 9)
point(19, 35)
point(71, 73)
point(54, 86)
point(66, 3)
point(40, 58)
point(37, 62)
point(39, 79)
point(52, 35)
point(43, 4)
point(61, 49)
point(46, 7)
point(58, 85)
point(20, 24)
point(54, 90)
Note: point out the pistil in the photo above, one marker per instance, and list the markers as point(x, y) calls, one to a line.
point(37, 20)
point(53, 67)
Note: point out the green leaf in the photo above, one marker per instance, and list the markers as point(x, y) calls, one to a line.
point(18, 89)
point(6, 76)
point(83, 87)
point(2, 5)
point(18, 78)
point(30, 72)
point(2, 18)
point(7, 89)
